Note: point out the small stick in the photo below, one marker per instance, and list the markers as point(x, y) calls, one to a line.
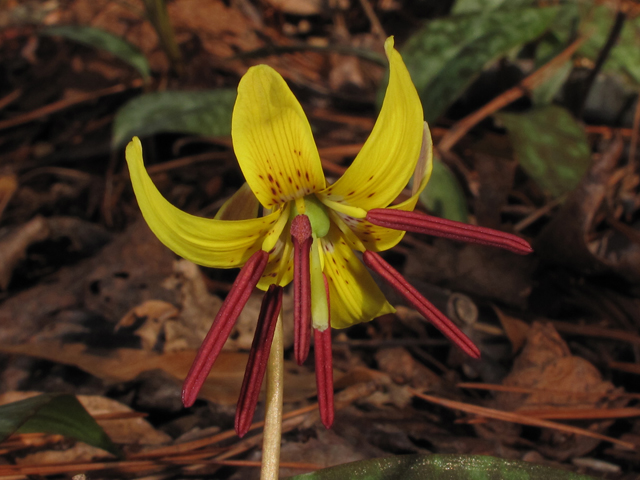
point(461, 127)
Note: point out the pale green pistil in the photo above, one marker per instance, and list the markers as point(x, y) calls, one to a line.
point(317, 213)
point(320, 224)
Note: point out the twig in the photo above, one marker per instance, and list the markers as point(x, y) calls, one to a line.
point(517, 418)
point(66, 103)
point(376, 26)
point(8, 99)
point(461, 127)
point(597, 332)
point(267, 51)
point(273, 415)
point(635, 133)
point(540, 212)
point(614, 34)
point(608, 132)
point(594, 396)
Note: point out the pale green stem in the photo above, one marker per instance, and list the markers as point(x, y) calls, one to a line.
point(159, 18)
point(272, 437)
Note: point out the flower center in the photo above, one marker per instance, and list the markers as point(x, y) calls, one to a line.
point(317, 213)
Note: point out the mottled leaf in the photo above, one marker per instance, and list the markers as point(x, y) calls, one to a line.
point(441, 467)
point(624, 57)
point(444, 196)
point(562, 31)
point(206, 113)
point(544, 93)
point(446, 56)
point(59, 414)
point(103, 40)
point(551, 147)
point(471, 6)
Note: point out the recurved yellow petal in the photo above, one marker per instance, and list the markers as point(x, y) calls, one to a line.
point(388, 158)
point(272, 139)
point(377, 238)
point(208, 242)
point(354, 296)
point(242, 205)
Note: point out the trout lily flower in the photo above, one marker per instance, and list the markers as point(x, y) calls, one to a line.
point(309, 231)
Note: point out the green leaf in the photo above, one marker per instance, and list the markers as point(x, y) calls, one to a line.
point(624, 58)
point(443, 195)
point(551, 147)
point(471, 6)
point(103, 40)
point(440, 467)
point(446, 56)
point(206, 113)
point(60, 414)
point(544, 93)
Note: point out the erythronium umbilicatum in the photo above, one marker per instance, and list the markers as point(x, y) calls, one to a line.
point(309, 230)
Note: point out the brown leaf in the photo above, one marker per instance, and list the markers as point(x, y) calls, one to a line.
point(125, 364)
point(8, 186)
point(14, 246)
point(155, 314)
point(558, 380)
point(515, 329)
point(568, 239)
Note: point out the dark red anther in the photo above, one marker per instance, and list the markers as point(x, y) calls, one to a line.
point(302, 241)
point(422, 223)
point(258, 358)
point(324, 370)
point(421, 304)
point(222, 325)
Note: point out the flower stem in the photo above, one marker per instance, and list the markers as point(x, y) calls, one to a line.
point(273, 416)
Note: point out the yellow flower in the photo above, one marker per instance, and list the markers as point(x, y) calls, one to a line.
point(276, 151)
point(319, 225)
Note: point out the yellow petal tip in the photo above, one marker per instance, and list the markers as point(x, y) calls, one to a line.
point(133, 152)
point(388, 44)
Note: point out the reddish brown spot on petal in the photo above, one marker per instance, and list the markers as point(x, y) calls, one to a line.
point(371, 195)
